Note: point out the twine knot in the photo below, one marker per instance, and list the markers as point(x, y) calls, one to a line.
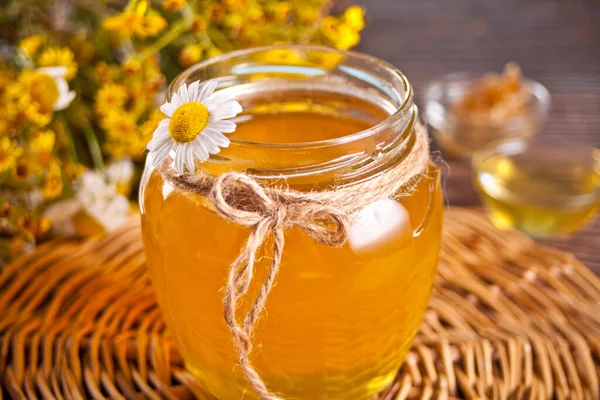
point(324, 216)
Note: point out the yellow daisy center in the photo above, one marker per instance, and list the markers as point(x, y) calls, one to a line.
point(188, 121)
point(43, 90)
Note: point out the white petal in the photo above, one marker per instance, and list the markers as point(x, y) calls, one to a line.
point(216, 99)
point(189, 159)
point(183, 94)
point(158, 141)
point(176, 100)
point(161, 133)
point(211, 147)
point(216, 137)
point(64, 101)
point(207, 90)
point(178, 163)
point(62, 85)
point(222, 126)
point(199, 151)
point(226, 110)
point(164, 124)
point(55, 72)
point(193, 91)
point(168, 109)
point(159, 153)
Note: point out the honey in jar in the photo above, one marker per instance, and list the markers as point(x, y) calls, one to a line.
point(339, 320)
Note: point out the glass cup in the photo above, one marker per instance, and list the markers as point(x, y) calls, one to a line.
point(339, 321)
point(543, 189)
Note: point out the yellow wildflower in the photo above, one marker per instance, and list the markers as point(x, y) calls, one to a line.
point(137, 21)
point(129, 146)
point(27, 224)
point(190, 54)
point(110, 98)
point(152, 85)
point(9, 153)
point(307, 15)
point(59, 56)
point(234, 21)
point(41, 145)
point(34, 113)
point(174, 5)
point(283, 56)
point(329, 27)
point(341, 34)
point(132, 66)
point(213, 52)
point(42, 89)
point(327, 60)
point(44, 226)
point(5, 209)
point(348, 37)
point(31, 227)
point(254, 14)
point(354, 16)
point(31, 44)
point(17, 246)
point(53, 184)
point(39, 95)
point(235, 5)
point(154, 23)
point(73, 170)
point(119, 125)
point(198, 25)
point(103, 74)
point(22, 168)
point(281, 11)
point(217, 12)
point(83, 47)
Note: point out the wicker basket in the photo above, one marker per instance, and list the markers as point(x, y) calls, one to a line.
point(509, 319)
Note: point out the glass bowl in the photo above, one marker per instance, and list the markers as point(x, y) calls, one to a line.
point(460, 137)
point(542, 189)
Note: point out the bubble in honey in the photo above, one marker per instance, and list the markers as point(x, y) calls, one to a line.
point(382, 225)
point(167, 188)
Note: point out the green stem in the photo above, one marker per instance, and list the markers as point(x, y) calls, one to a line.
point(173, 33)
point(69, 135)
point(94, 147)
point(130, 5)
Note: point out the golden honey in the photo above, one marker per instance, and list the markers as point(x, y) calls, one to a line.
point(338, 321)
point(540, 190)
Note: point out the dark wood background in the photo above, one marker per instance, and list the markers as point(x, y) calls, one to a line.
point(556, 42)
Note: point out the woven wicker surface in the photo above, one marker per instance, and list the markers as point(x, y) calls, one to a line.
point(509, 319)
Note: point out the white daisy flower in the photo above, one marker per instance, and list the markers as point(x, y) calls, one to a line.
point(195, 125)
point(63, 97)
point(97, 207)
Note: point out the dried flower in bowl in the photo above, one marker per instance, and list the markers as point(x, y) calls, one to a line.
point(466, 112)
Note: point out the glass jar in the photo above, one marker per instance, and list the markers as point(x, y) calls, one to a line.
point(339, 321)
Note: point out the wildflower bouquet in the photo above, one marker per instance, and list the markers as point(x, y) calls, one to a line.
point(80, 81)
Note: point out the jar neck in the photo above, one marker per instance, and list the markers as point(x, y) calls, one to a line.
point(315, 71)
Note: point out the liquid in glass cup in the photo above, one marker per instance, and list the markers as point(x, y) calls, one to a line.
point(543, 189)
point(339, 321)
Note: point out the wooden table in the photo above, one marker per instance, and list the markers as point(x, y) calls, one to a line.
point(556, 42)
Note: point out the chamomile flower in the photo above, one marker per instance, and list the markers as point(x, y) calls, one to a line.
point(195, 125)
point(48, 87)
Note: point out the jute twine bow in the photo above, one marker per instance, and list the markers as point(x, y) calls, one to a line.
point(325, 216)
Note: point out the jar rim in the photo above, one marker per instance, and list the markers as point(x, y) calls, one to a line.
point(400, 112)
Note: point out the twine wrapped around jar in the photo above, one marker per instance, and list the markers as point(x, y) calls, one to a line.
point(324, 215)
